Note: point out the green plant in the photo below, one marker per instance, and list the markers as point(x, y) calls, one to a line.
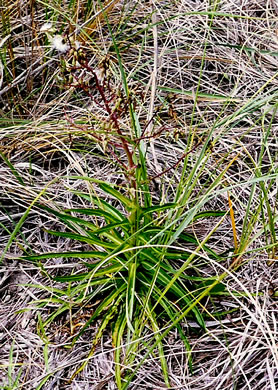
point(141, 266)
point(13, 377)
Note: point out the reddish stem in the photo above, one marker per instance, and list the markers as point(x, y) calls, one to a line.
point(114, 118)
point(177, 163)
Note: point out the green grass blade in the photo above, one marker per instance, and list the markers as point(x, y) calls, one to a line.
point(13, 170)
point(116, 194)
point(23, 218)
point(58, 255)
point(104, 305)
point(117, 337)
point(162, 358)
point(78, 237)
point(130, 296)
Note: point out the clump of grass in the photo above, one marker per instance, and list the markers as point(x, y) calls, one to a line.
point(141, 263)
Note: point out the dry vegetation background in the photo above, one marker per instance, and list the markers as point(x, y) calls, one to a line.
point(196, 67)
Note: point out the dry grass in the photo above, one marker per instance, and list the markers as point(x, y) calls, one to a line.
point(194, 72)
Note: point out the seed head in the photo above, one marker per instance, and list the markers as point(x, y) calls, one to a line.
point(46, 27)
point(59, 44)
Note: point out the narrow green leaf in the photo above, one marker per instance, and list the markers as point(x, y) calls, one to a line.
point(217, 288)
point(130, 296)
point(172, 312)
point(117, 337)
point(89, 240)
point(73, 278)
point(45, 379)
point(102, 204)
point(22, 219)
point(55, 314)
point(183, 237)
point(12, 168)
point(109, 270)
point(74, 255)
point(201, 95)
point(104, 305)
point(82, 222)
point(162, 358)
point(112, 311)
point(210, 213)
point(116, 194)
point(166, 206)
point(187, 297)
point(125, 225)
point(95, 212)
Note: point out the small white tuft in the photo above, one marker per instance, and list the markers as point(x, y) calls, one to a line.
point(46, 27)
point(59, 44)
